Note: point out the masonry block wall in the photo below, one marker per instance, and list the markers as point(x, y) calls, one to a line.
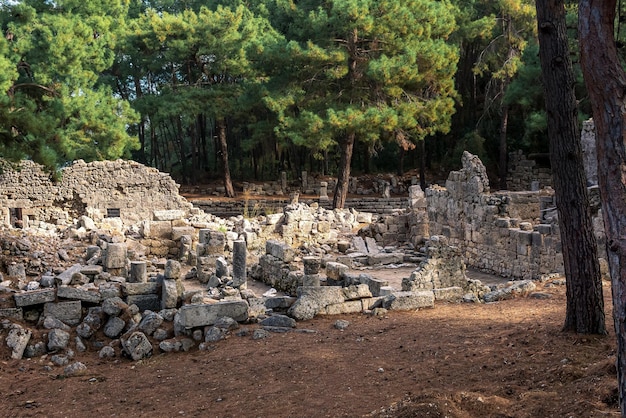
point(124, 189)
point(513, 234)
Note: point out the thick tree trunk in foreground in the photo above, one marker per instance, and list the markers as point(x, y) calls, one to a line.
point(585, 305)
point(221, 134)
point(343, 180)
point(606, 85)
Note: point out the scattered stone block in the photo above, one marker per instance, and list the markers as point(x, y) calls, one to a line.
point(115, 257)
point(65, 278)
point(131, 289)
point(279, 321)
point(335, 270)
point(354, 292)
point(58, 339)
point(12, 313)
point(407, 301)
point(454, 293)
point(280, 250)
point(145, 302)
point(67, 312)
point(199, 315)
point(17, 340)
point(114, 327)
point(137, 346)
point(168, 215)
point(76, 293)
point(169, 295)
point(34, 297)
point(138, 272)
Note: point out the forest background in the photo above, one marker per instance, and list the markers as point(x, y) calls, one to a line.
point(203, 89)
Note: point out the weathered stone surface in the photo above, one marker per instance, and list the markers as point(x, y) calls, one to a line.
point(168, 215)
point(374, 284)
point(352, 306)
point(172, 269)
point(372, 246)
point(359, 245)
point(138, 272)
point(385, 258)
point(76, 293)
point(221, 267)
point(280, 250)
point(335, 270)
point(180, 231)
point(239, 263)
point(65, 277)
point(312, 299)
point(137, 345)
point(114, 327)
point(58, 339)
point(17, 340)
point(50, 322)
point(67, 312)
point(311, 280)
point(75, 369)
point(227, 323)
point(199, 315)
point(115, 257)
point(114, 306)
point(34, 297)
point(311, 265)
point(148, 288)
point(279, 321)
point(404, 301)
point(517, 289)
point(91, 270)
point(150, 322)
point(170, 295)
point(214, 334)
point(12, 313)
point(454, 293)
point(145, 302)
point(354, 292)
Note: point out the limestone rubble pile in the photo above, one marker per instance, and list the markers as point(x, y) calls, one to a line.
point(126, 266)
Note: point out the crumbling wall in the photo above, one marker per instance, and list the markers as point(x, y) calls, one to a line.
point(525, 174)
point(512, 234)
point(124, 189)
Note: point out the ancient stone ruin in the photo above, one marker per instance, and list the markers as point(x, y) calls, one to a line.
point(111, 258)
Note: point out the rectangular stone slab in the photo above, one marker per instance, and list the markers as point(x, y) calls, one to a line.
point(199, 315)
point(68, 292)
point(12, 313)
point(66, 312)
point(34, 297)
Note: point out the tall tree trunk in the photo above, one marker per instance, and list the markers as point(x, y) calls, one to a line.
point(221, 133)
point(182, 158)
point(504, 125)
point(585, 305)
point(423, 164)
point(606, 85)
point(343, 180)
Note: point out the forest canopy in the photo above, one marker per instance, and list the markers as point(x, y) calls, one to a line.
point(203, 88)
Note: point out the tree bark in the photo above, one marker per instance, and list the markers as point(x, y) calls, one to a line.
point(343, 180)
point(585, 304)
point(606, 85)
point(503, 149)
point(221, 134)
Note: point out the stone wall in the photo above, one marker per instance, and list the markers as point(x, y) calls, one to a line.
point(525, 174)
point(512, 234)
point(124, 189)
point(260, 206)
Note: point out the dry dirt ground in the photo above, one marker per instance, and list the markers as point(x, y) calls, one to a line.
point(506, 359)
